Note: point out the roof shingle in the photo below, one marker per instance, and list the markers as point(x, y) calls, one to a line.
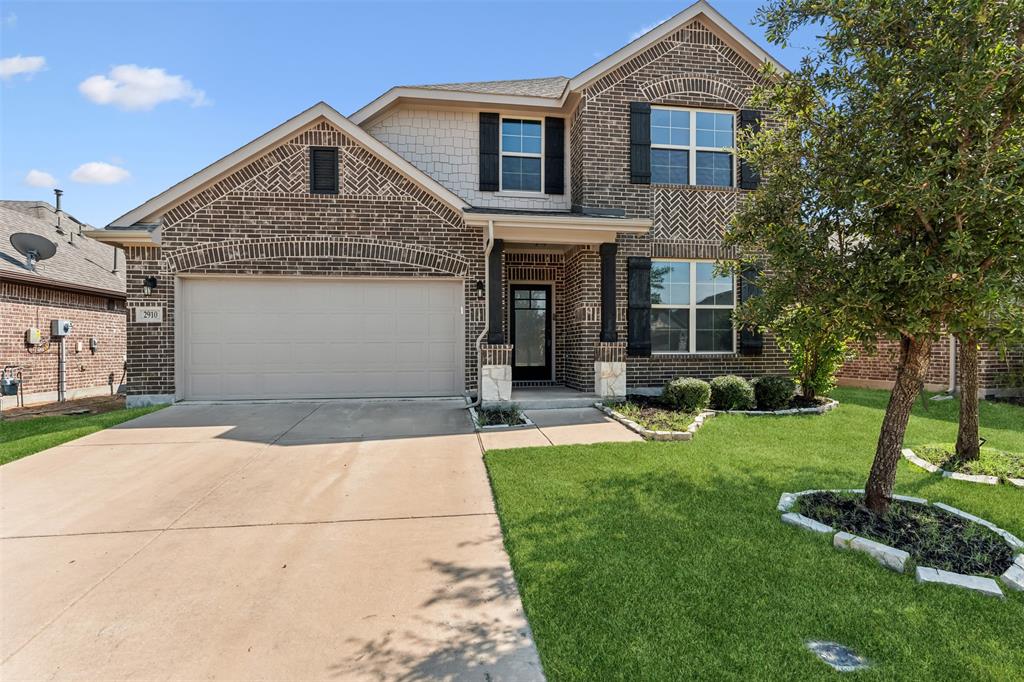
point(530, 87)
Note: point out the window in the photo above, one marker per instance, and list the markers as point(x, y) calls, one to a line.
point(521, 144)
point(323, 170)
point(690, 147)
point(691, 308)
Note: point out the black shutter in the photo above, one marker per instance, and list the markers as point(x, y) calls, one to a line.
point(640, 143)
point(554, 155)
point(489, 124)
point(323, 170)
point(749, 177)
point(608, 332)
point(495, 323)
point(751, 340)
point(638, 342)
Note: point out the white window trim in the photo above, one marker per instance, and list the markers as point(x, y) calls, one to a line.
point(528, 155)
point(692, 148)
point(692, 307)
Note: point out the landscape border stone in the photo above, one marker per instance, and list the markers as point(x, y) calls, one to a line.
point(820, 409)
point(898, 559)
point(913, 458)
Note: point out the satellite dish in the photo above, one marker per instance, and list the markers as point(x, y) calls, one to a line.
point(33, 247)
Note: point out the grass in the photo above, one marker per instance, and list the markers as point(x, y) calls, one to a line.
point(668, 560)
point(23, 437)
point(991, 462)
point(654, 418)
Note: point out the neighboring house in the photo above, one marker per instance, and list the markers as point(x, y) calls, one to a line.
point(551, 231)
point(83, 283)
point(1000, 371)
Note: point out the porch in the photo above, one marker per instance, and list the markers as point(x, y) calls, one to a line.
point(555, 328)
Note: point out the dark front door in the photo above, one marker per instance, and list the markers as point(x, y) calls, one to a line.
point(530, 327)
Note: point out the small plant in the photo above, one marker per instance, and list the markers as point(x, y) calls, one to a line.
point(773, 392)
point(500, 416)
point(686, 395)
point(731, 392)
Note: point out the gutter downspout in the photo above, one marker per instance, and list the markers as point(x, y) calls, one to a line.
point(952, 364)
point(487, 309)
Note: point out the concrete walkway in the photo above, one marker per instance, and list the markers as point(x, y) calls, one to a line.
point(298, 541)
point(566, 426)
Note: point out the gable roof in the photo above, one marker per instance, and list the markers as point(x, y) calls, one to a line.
point(238, 158)
point(552, 93)
point(80, 264)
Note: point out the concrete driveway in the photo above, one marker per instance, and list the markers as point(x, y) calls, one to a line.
point(286, 541)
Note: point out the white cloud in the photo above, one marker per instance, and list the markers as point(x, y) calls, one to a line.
point(99, 173)
point(646, 29)
point(134, 88)
point(38, 178)
point(14, 66)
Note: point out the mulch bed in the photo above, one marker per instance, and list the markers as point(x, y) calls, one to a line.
point(97, 405)
point(932, 536)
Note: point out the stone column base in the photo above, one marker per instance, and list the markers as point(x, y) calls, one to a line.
point(496, 383)
point(610, 370)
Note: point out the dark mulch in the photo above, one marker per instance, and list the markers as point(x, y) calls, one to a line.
point(95, 405)
point(1009, 400)
point(800, 402)
point(933, 537)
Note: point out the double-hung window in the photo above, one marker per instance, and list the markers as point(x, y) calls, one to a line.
point(691, 147)
point(521, 145)
point(691, 308)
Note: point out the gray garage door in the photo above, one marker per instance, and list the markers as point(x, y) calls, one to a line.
point(318, 338)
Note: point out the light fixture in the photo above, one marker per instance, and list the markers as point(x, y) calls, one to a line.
point(480, 287)
point(148, 285)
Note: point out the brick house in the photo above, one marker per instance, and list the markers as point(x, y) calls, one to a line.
point(83, 282)
point(549, 231)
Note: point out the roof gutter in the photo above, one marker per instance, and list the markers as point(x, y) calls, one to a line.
point(36, 281)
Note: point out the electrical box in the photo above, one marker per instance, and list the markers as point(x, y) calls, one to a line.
point(33, 337)
point(60, 327)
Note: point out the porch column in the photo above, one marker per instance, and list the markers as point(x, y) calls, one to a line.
point(495, 315)
point(609, 354)
point(495, 355)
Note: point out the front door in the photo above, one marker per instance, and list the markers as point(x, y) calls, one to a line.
point(530, 327)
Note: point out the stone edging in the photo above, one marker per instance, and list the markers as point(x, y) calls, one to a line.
point(898, 560)
point(697, 422)
point(912, 457)
point(820, 409)
point(475, 416)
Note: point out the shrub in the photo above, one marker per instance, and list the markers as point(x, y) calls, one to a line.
point(687, 395)
point(731, 393)
point(773, 392)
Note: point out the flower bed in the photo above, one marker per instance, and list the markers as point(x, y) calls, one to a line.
point(945, 544)
point(991, 467)
point(508, 417)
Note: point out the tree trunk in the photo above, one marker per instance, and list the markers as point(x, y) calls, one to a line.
point(914, 355)
point(810, 371)
point(968, 442)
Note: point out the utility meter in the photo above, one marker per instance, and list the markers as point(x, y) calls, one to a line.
point(33, 337)
point(60, 327)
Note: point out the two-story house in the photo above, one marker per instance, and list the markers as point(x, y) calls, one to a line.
point(449, 239)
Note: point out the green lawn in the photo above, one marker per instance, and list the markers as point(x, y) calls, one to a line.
point(23, 437)
point(668, 561)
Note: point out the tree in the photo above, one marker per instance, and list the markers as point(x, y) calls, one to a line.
point(893, 175)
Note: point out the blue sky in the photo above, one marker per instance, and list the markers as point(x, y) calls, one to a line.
point(207, 77)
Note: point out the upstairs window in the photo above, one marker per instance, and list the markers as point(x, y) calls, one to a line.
point(691, 308)
point(323, 170)
point(691, 147)
point(521, 145)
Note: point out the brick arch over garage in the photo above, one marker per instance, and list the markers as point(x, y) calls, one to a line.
point(690, 83)
point(371, 250)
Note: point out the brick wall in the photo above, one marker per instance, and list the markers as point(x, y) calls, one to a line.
point(583, 301)
point(23, 306)
point(998, 371)
point(692, 67)
point(261, 220)
point(446, 146)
